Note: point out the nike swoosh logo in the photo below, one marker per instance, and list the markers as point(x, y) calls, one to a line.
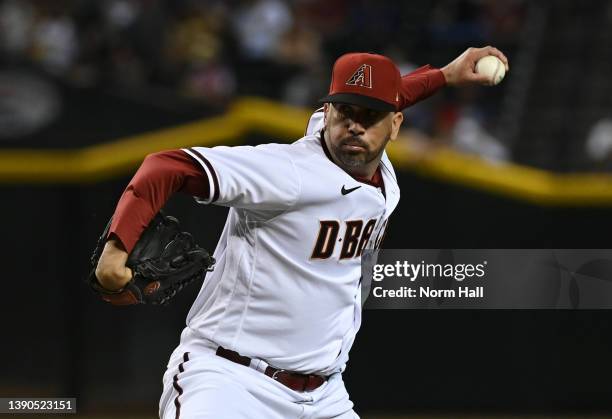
point(348, 191)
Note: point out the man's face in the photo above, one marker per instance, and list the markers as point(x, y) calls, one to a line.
point(357, 136)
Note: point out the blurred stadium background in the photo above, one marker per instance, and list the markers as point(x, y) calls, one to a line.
point(88, 87)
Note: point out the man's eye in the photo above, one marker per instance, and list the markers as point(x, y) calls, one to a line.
point(346, 112)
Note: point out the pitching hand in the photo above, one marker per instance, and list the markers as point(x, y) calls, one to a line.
point(462, 70)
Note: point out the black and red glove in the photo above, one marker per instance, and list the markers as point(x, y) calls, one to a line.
point(163, 261)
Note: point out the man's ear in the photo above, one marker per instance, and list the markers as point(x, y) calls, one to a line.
point(396, 123)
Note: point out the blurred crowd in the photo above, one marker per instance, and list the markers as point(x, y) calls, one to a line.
point(215, 50)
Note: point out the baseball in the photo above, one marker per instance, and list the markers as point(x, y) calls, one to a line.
point(492, 67)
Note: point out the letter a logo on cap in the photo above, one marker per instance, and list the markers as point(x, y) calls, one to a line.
point(362, 77)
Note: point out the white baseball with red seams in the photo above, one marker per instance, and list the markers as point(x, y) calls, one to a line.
point(492, 67)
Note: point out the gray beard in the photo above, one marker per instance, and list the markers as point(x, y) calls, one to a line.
point(355, 160)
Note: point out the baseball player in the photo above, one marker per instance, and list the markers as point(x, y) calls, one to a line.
point(269, 334)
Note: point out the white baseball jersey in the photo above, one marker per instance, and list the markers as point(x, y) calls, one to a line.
point(286, 286)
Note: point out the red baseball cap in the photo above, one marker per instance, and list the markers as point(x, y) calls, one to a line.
point(369, 80)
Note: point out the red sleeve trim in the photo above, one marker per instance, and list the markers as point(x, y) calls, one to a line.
point(420, 84)
point(159, 176)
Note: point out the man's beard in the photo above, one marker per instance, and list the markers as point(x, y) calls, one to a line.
point(353, 159)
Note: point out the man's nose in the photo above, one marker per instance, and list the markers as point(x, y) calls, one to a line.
point(355, 128)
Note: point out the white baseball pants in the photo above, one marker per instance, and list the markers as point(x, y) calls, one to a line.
point(206, 386)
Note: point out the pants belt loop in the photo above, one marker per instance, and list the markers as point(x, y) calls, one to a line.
point(258, 365)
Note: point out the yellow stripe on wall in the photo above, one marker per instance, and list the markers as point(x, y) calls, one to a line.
point(512, 180)
point(282, 122)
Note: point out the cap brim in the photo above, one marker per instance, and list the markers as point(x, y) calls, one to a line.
point(359, 100)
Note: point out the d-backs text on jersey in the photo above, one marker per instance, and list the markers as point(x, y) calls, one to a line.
point(357, 233)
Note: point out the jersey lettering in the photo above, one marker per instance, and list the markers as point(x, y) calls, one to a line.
point(381, 234)
point(326, 240)
point(351, 239)
point(365, 237)
point(354, 240)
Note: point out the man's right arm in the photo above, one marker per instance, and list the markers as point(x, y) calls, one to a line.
point(427, 80)
point(419, 85)
point(160, 175)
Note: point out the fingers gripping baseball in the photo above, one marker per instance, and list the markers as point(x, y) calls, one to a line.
point(462, 70)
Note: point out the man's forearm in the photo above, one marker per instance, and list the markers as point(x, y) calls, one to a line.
point(159, 176)
point(420, 84)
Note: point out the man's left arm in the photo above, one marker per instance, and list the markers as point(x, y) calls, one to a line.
point(427, 80)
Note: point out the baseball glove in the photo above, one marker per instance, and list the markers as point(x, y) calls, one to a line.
point(163, 261)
